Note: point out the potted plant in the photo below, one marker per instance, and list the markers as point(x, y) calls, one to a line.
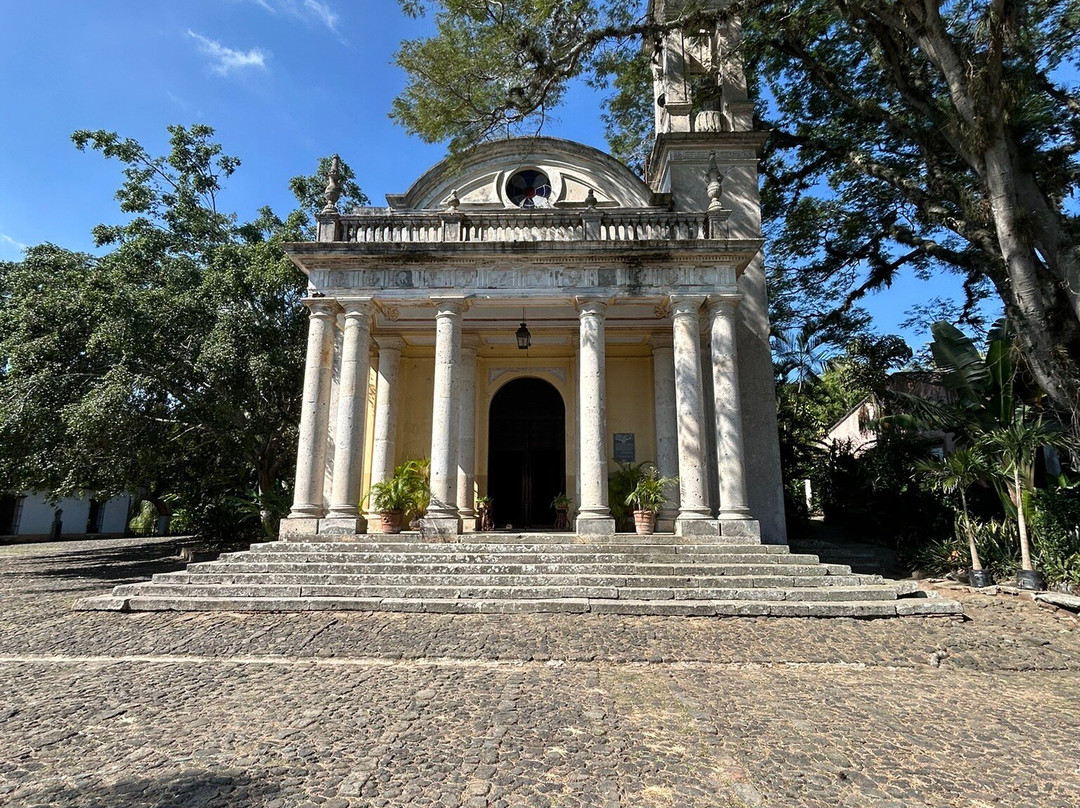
point(562, 504)
point(484, 519)
point(647, 498)
point(407, 491)
point(621, 482)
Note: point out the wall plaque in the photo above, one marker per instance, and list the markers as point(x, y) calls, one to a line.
point(624, 447)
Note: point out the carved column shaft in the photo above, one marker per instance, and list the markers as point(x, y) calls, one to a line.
point(315, 412)
point(690, 409)
point(352, 401)
point(594, 516)
point(386, 408)
point(466, 464)
point(667, 434)
point(729, 427)
point(442, 511)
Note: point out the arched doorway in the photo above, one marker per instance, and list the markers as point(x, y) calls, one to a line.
point(526, 454)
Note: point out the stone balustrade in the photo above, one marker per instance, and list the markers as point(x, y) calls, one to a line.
point(384, 226)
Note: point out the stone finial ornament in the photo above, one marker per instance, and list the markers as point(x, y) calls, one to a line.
point(332, 193)
point(590, 200)
point(454, 202)
point(714, 184)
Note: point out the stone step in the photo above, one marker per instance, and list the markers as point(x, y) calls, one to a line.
point(480, 579)
point(450, 557)
point(513, 539)
point(566, 567)
point(732, 608)
point(533, 592)
point(313, 548)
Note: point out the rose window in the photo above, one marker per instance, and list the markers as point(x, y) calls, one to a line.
point(530, 189)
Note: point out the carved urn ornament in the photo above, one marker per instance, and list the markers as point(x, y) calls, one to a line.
point(332, 192)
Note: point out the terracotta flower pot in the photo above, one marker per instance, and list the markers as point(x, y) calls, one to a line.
point(645, 522)
point(390, 521)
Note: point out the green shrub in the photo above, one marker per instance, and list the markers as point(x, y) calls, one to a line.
point(998, 550)
point(1055, 517)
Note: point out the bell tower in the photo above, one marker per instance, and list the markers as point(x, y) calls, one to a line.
point(705, 127)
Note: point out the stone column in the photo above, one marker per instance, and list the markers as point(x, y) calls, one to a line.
point(314, 421)
point(442, 513)
point(344, 514)
point(594, 516)
point(694, 513)
point(735, 518)
point(386, 406)
point(466, 463)
point(667, 437)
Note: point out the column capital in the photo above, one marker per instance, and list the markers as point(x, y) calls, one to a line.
point(470, 342)
point(660, 341)
point(389, 342)
point(356, 306)
point(324, 307)
point(591, 306)
point(729, 303)
point(449, 305)
point(681, 305)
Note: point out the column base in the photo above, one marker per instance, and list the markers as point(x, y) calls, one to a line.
point(697, 527)
point(665, 520)
point(342, 525)
point(468, 521)
point(740, 527)
point(439, 526)
point(594, 526)
point(293, 528)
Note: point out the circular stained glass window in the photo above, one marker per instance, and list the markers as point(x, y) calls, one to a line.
point(530, 189)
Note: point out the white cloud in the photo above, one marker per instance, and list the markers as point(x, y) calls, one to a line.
point(7, 241)
point(310, 11)
point(323, 13)
point(224, 60)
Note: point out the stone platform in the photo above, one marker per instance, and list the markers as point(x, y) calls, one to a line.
point(540, 572)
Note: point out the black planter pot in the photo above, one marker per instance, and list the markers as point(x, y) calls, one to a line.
point(1032, 580)
point(980, 578)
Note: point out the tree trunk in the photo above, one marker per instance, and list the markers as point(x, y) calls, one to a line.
point(1021, 523)
point(1043, 306)
point(976, 563)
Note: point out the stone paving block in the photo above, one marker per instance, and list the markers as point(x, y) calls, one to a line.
point(102, 603)
point(927, 606)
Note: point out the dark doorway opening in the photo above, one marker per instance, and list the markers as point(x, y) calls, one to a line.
point(526, 453)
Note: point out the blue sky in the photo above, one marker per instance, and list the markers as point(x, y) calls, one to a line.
point(282, 81)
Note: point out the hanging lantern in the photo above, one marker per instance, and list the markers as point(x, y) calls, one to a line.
point(524, 338)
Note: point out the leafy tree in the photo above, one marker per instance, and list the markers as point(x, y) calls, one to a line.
point(170, 366)
point(907, 135)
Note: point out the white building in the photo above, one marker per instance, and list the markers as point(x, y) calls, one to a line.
point(29, 515)
point(645, 303)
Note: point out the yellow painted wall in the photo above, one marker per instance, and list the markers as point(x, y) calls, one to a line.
point(630, 404)
point(414, 416)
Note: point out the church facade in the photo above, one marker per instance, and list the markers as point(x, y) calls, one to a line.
point(532, 313)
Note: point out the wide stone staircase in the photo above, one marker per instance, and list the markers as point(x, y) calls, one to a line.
point(544, 572)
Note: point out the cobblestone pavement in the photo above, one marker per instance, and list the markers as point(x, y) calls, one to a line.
point(348, 709)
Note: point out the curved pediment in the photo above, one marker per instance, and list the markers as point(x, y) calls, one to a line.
point(540, 172)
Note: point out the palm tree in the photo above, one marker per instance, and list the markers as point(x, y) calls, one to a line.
point(1014, 446)
point(954, 476)
point(802, 354)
